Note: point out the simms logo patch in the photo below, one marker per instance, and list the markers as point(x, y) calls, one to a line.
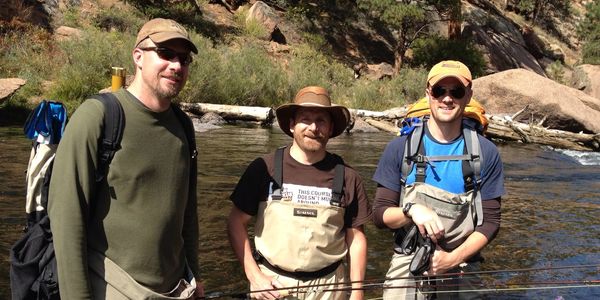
point(303, 212)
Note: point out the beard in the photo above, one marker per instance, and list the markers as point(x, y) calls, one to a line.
point(310, 142)
point(169, 90)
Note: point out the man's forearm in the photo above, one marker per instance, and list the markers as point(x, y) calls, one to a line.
point(357, 256)
point(240, 242)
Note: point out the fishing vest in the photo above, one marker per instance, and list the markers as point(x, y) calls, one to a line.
point(459, 212)
point(301, 240)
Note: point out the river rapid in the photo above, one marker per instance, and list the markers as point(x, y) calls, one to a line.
point(550, 214)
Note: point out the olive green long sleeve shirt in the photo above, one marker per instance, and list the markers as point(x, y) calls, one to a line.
point(142, 217)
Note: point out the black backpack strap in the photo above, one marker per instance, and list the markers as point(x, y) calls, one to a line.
point(278, 174)
point(338, 185)
point(190, 134)
point(110, 142)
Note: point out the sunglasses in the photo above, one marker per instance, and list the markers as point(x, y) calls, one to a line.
point(170, 54)
point(456, 92)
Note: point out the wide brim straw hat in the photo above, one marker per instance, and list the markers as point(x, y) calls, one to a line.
point(313, 96)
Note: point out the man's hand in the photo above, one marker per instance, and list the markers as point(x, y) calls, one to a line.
point(428, 222)
point(262, 282)
point(442, 262)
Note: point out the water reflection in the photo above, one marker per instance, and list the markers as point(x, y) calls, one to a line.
point(550, 215)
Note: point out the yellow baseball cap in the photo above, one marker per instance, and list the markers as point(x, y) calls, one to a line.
point(161, 30)
point(449, 68)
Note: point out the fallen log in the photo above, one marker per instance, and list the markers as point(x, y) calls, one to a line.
point(382, 125)
point(264, 115)
point(507, 129)
point(500, 127)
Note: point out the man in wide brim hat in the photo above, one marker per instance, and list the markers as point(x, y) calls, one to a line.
point(309, 207)
point(317, 97)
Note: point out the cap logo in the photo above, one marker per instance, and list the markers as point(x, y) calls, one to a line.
point(446, 65)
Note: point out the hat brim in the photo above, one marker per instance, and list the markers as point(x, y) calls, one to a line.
point(435, 79)
point(162, 37)
point(340, 116)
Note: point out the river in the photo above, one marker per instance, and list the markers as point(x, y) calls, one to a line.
point(550, 215)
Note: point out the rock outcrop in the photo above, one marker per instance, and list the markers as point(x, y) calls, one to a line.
point(587, 79)
point(8, 86)
point(559, 106)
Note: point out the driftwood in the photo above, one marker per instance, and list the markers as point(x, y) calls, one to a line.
point(499, 127)
point(264, 115)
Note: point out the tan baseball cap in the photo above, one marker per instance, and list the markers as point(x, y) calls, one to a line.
point(161, 30)
point(449, 68)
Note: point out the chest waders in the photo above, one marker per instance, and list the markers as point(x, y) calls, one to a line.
point(459, 213)
point(297, 240)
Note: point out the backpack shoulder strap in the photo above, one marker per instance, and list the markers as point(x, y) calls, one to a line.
point(190, 135)
point(474, 150)
point(278, 174)
point(411, 149)
point(110, 142)
point(188, 127)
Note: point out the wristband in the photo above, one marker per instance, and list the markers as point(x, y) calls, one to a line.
point(406, 208)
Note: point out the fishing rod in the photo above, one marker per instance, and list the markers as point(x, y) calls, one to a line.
point(485, 288)
point(379, 283)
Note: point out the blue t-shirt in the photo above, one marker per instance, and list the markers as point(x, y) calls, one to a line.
point(445, 174)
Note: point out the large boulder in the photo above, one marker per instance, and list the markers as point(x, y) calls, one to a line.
point(500, 40)
point(266, 16)
point(587, 78)
point(566, 108)
point(8, 86)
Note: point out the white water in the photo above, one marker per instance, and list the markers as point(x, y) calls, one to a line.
point(585, 158)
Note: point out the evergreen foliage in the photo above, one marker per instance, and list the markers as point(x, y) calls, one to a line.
point(589, 32)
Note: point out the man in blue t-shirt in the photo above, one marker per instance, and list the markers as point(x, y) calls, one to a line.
point(401, 200)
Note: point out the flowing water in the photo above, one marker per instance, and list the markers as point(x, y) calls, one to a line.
point(550, 215)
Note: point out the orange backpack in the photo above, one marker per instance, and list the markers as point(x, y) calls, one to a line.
point(474, 110)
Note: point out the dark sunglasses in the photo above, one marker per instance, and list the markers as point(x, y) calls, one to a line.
point(457, 92)
point(169, 54)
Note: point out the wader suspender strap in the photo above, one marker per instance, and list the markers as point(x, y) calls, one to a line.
point(338, 186)
point(278, 175)
point(114, 122)
point(336, 190)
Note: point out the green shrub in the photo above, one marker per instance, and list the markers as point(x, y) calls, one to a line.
point(28, 52)
point(405, 88)
point(311, 67)
point(119, 19)
point(591, 52)
point(244, 76)
point(71, 17)
point(430, 50)
point(87, 68)
point(556, 72)
point(252, 27)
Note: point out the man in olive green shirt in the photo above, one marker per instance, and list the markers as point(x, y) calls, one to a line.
point(134, 234)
